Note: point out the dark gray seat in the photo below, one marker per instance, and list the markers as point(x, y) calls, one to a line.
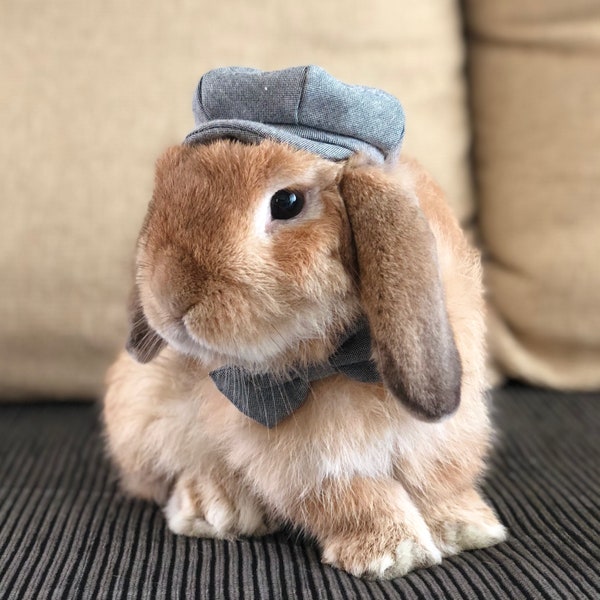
point(67, 532)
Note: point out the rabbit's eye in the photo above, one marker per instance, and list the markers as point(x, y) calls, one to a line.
point(286, 204)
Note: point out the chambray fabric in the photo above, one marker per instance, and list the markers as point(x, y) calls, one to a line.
point(268, 399)
point(304, 107)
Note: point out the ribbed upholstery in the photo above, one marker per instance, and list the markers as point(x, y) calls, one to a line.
point(67, 532)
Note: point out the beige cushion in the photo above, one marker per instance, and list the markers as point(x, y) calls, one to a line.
point(536, 99)
point(91, 94)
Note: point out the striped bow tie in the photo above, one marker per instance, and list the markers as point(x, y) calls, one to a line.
point(268, 399)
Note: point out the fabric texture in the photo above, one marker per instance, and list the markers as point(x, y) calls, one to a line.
point(67, 533)
point(268, 399)
point(304, 107)
point(93, 92)
point(535, 72)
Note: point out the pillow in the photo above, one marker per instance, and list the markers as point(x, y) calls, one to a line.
point(94, 91)
point(535, 73)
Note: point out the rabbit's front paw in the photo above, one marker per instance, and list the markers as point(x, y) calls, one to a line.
point(201, 507)
point(462, 535)
point(465, 522)
point(390, 554)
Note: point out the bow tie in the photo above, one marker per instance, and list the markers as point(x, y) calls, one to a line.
point(268, 399)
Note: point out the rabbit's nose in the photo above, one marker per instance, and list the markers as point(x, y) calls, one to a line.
point(177, 284)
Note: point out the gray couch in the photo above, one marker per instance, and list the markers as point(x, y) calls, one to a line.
point(67, 532)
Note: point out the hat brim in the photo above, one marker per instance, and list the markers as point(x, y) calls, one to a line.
point(330, 146)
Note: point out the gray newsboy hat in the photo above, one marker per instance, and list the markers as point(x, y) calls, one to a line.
point(302, 106)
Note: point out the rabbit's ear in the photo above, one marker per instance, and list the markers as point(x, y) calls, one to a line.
point(402, 294)
point(143, 342)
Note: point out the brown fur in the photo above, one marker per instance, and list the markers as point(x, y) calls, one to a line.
point(381, 491)
point(219, 272)
point(401, 293)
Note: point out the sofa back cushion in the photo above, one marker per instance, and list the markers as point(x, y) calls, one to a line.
point(92, 92)
point(535, 72)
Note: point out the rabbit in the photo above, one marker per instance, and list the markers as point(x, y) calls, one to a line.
point(383, 475)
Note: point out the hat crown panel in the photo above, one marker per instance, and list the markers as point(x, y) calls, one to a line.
point(252, 95)
point(367, 114)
